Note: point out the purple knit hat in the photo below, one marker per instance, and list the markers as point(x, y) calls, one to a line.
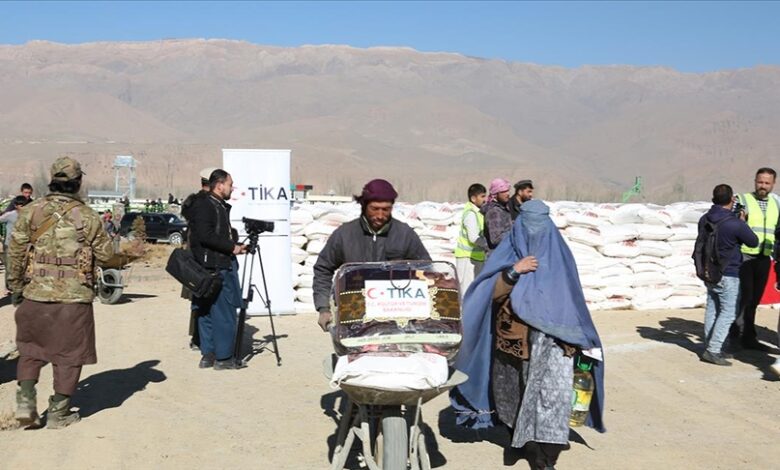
point(377, 190)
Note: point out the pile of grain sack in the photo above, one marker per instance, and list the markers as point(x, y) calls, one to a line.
point(628, 255)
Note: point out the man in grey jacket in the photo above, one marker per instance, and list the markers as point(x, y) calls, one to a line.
point(374, 236)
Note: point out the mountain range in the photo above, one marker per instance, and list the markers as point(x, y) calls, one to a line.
point(432, 123)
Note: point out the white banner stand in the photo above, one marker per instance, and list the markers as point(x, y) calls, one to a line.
point(261, 190)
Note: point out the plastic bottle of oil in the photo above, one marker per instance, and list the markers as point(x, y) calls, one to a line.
point(582, 394)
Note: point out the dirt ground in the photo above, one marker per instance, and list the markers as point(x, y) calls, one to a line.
point(147, 405)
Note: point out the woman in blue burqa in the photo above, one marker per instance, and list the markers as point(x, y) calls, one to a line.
point(524, 323)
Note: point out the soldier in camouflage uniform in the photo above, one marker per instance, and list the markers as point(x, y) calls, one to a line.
point(53, 250)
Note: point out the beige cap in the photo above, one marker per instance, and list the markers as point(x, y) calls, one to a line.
point(66, 169)
point(205, 173)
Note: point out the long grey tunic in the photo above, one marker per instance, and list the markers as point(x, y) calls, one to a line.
point(541, 388)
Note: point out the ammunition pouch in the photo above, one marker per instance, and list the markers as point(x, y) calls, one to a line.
point(86, 266)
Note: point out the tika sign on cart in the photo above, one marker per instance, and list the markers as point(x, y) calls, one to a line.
point(397, 299)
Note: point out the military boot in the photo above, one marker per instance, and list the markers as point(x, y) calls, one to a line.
point(27, 408)
point(59, 415)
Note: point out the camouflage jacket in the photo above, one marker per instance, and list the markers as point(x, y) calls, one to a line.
point(54, 270)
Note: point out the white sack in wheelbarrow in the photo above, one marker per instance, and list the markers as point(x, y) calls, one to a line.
point(418, 371)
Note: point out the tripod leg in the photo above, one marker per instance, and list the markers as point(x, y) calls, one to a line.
point(238, 343)
point(268, 305)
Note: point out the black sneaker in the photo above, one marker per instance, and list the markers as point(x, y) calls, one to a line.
point(716, 359)
point(228, 364)
point(206, 361)
point(726, 355)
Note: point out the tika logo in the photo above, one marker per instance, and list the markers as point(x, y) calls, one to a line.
point(408, 299)
point(265, 193)
point(396, 293)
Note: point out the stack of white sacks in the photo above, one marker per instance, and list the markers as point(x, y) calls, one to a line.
point(628, 255)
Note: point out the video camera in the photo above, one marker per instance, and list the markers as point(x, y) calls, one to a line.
point(256, 227)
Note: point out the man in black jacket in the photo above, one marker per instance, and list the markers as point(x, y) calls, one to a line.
point(374, 236)
point(186, 207)
point(215, 246)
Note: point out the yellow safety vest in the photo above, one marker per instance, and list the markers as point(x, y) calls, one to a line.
point(465, 248)
point(762, 224)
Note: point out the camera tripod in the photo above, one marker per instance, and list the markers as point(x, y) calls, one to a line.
point(252, 252)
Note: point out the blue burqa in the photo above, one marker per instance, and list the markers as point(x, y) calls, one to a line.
point(549, 299)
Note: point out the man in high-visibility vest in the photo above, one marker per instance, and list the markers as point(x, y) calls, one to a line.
point(761, 210)
point(470, 251)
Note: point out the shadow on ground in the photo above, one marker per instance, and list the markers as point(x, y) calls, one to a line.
point(128, 298)
point(110, 389)
point(689, 335)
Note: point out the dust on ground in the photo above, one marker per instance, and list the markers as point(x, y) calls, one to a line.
point(145, 404)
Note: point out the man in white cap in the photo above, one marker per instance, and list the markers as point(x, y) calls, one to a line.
point(185, 293)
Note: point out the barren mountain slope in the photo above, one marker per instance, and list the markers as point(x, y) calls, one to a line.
point(432, 122)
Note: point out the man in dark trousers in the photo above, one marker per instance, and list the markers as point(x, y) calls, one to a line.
point(762, 212)
point(214, 246)
point(374, 236)
point(722, 297)
point(186, 207)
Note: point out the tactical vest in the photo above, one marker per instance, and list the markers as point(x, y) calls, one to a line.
point(41, 262)
point(762, 224)
point(466, 249)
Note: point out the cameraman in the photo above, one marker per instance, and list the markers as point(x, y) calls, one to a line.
point(214, 245)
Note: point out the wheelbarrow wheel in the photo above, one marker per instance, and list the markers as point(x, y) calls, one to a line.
point(110, 294)
point(394, 439)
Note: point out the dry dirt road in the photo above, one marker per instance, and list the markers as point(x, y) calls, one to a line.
point(147, 405)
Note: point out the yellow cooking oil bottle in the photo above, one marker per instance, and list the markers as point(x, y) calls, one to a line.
point(582, 393)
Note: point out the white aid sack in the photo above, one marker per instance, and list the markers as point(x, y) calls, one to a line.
point(305, 295)
point(649, 278)
point(298, 254)
point(655, 215)
point(615, 271)
point(584, 235)
point(419, 371)
point(298, 269)
point(654, 248)
point(305, 280)
point(677, 260)
point(431, 213)
point(614, 304)
point(592, 281)
point(315, 246)
point(319, 229)
point(653, 232)
point(559, 220)
point(683, 232)
point(298, 241)
point(580, 250)
point(647, 267)
point(584, 219)
point(300, 216)
point(621, 250)
point(626, 214)
point(593, 295)
point(650, 296)
point(682, 248)
point(618, 291)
